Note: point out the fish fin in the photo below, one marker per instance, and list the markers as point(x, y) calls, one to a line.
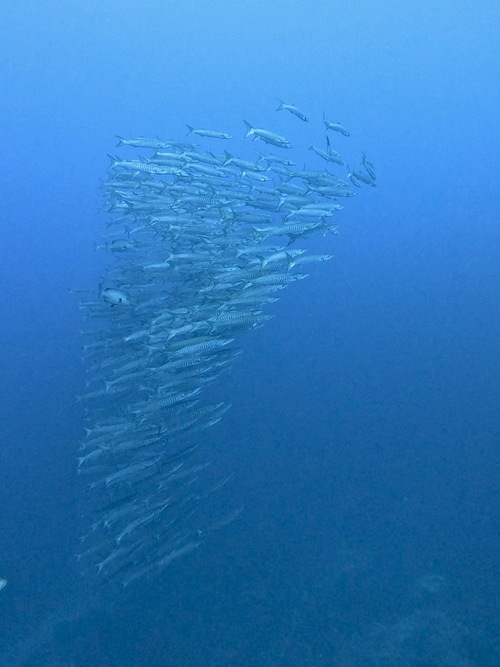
point(250, 129)
point(190, 129)
point(261, 258)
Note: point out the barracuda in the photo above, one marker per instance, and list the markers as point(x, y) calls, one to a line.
point(213, 134)
point(190, 269)
point(267, 136)
point(293, 110)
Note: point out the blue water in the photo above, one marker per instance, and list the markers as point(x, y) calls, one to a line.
point(365, 428)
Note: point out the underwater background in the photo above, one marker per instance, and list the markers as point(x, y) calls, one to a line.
point(364, 431)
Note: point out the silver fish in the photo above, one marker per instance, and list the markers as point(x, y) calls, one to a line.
point(209, 133)
point(292, 109)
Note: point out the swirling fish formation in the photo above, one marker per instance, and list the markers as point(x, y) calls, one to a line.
point(202, 244)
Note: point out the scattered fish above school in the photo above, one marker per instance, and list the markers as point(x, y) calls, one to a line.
point(292, 109)
point(200, 243)
point(367, 177)
point(335, 126)
point(267, 136)
point(213, 134)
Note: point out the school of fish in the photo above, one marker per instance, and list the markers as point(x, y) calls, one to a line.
point(202, 243)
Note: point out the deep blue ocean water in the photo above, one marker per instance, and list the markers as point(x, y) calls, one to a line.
point(364, 433)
